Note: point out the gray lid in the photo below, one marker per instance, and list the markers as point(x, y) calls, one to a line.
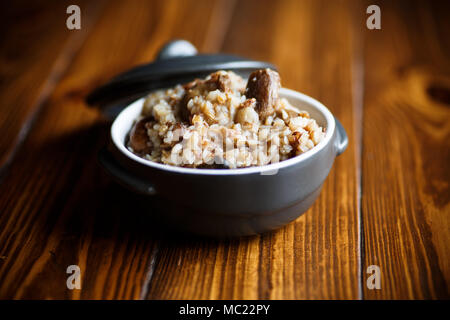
point(176, 63)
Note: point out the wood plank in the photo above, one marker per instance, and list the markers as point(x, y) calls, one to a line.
point(406, 156)
point(57, 207)
point(35, 51)
point(317, 256)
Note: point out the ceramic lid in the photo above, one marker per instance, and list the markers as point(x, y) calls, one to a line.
point(176, 63)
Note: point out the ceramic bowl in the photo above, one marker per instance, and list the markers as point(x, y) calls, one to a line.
point(228, 202)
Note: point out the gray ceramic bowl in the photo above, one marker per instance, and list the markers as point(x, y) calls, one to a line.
point(229, 202)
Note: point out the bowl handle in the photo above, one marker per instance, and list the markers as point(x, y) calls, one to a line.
point(341, 137)
point(122, 176)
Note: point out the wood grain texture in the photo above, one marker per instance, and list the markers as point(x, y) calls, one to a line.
point(317, 256)
point(57, 206)
point(34, 54)
point(385, 202)
point(406, 157)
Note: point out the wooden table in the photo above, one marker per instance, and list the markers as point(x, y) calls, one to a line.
point(385, 202)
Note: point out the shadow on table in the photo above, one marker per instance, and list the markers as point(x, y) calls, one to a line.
point(87, 203)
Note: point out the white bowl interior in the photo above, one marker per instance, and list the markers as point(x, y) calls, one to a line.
point(125, 120)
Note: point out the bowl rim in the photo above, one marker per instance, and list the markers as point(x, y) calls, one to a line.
point(266, 169)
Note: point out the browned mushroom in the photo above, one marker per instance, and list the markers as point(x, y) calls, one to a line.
point(139, 139)
point(264, 85)
point(219, 80)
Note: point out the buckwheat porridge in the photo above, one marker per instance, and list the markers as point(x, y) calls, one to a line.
point(223, 121)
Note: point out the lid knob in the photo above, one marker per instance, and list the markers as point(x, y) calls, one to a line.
point(175, 49)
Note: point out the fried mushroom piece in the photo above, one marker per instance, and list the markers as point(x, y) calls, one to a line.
point(264, 85)
point(188, 88)
point(219, 80)
point(139, 139)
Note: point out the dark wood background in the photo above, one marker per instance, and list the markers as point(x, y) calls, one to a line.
point(385, 202)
